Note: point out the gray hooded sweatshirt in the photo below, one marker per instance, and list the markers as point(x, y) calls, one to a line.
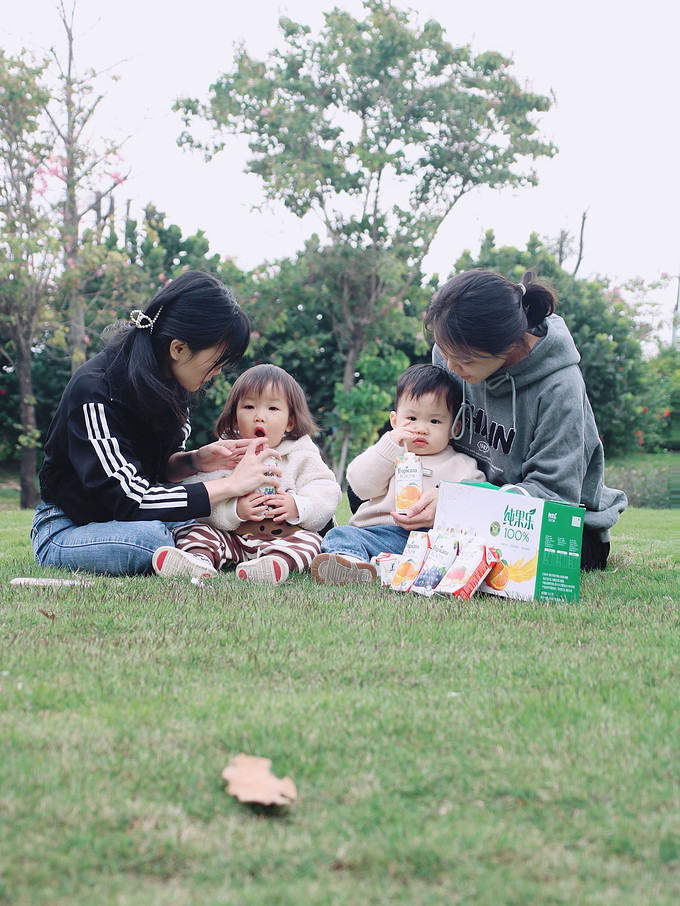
point(532, 425)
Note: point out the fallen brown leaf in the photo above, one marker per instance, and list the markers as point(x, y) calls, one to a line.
point(46, 613)
point(250, 779)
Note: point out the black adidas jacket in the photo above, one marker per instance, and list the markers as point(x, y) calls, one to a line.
point(104, 462)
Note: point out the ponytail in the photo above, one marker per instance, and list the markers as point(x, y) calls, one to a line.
point(539, 299)
point(482, 311)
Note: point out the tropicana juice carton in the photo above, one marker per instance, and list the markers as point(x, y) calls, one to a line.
point(386, 564)
point(411, 561)
point(468, 571)
point(443, 551)
point(408, 481)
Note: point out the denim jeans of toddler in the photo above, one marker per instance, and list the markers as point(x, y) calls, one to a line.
point(364, 543)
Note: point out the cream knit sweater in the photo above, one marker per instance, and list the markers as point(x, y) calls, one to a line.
point(371, 477)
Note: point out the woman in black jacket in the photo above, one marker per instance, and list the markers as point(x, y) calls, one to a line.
point(114, 455)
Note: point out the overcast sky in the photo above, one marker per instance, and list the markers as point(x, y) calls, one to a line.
point(612, 66)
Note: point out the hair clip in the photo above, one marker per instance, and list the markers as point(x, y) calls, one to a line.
point(522, 288)
point(142, 321)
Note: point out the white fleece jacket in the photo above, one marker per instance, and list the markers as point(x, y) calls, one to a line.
point(304, 475)
point(371, 477)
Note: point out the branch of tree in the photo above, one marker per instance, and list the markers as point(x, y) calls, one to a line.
point(580, 243)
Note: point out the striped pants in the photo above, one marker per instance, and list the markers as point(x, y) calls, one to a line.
point(223, 548)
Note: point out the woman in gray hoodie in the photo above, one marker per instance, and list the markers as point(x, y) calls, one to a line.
point(525, 415)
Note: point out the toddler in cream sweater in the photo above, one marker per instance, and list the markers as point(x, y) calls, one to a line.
point(426, 402)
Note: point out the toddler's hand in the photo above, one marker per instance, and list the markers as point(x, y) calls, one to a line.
point(421, 514)
point(281, 507)
point(403, 432)
point(252, 507)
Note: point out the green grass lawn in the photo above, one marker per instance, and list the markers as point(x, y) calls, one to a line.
point(486, 752)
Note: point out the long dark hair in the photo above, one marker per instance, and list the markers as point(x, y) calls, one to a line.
point(480, 310)
point(254, 381)
point(197, 309)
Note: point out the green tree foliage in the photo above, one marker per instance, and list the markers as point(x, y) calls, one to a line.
point(299, 325)
point(27, 244)
point(85, 170)
point(659, 427)
point(366, 407)
point(48, 379)
point(112, 275)
point(379, 126)
point(605, 330)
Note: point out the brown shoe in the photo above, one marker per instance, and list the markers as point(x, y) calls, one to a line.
point(334, 569)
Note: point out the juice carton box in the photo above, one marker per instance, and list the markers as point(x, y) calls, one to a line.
point(411, 561)
point(538, 541)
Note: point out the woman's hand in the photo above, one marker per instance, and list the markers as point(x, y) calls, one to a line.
point(222, 454)
point(251, 472)
point(421, 514)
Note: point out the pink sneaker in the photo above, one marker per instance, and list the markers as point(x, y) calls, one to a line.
point(171, 561)
point(272, 570)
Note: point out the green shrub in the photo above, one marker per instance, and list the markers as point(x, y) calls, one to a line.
point(645, 478)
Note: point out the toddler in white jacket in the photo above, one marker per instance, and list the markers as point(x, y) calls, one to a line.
point(274, 531)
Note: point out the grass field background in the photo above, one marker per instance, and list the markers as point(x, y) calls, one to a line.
point(482, 752)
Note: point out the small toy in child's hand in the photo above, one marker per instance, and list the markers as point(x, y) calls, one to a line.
point(442, 553)
point(411, 561)
point(468, 570)
point(408, 481)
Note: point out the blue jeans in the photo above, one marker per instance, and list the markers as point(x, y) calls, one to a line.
point(364, 543)
point(113, 548)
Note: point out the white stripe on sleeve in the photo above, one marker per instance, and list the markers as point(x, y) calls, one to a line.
point(115, 465)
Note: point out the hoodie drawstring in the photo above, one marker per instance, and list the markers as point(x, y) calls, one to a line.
point(495, 382)
point(464, 412)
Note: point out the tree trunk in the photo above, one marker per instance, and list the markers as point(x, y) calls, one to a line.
point(27, 470)
point(580, 243)
point(347, 383)
point(77, 331)
point(353, 354)
point(29, 433)
point(340, 466)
